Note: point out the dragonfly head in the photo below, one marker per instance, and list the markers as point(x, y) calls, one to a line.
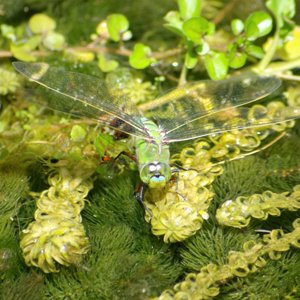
point(156, 175)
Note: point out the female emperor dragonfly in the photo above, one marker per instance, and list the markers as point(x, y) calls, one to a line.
point(188, 112)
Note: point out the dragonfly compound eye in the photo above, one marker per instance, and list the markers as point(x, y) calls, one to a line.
point(156, 175)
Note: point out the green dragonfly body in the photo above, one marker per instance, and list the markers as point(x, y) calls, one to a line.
point(153, 157)
point(189, 112)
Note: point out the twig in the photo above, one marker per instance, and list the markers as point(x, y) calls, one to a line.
point(227, 8)
point(118, 51)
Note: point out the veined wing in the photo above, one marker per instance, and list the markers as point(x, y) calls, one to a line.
point(83, 95)
point(231, 119)
point(199, 109)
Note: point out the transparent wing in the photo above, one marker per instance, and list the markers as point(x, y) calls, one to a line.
point(84, 95)
point(231, 119)
point(184, 112)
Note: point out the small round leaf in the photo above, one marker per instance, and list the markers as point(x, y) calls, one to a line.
point(189, 8)
point(238, 60)
point(22, 52)
point(254, 51)
point(116, 25)
point(41, 23)
point(127, 35)
point(195, 28)
point(216, 65)
point(8, 32)
point(78, 133)
point(54, 41)
point(102, 30)
point(139, 58)
point(190, 60)
point(257, 25)
point(237, 26)
point(107, 65)
point(203, 48)
point(174, 23)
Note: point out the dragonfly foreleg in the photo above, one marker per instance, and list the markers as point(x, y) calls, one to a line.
point(126, 153)
point(176, 178)
point(139, 196)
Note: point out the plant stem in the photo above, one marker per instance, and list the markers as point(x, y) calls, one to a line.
point(96, 49)
point(227, 9)
point(290, 77)
point(182, 78)
point(270, 53)
point(278, 67)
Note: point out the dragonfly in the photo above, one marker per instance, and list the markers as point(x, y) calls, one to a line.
point(188, 112)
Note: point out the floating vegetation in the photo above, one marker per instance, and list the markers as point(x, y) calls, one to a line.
point(238, 212)
point(57, 235)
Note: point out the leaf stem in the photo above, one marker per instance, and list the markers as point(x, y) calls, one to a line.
point(270, 52)
point(289, 77)
point(182, 78)
point(278, 67)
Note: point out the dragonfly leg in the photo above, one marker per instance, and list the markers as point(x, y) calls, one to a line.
point(175, 177)
point(126, 153)
point(106, 158)
point(112, 161)
point(178, 168)
point(139, 196)
point(176, 171)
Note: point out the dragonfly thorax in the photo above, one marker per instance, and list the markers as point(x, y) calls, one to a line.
point(155, 174)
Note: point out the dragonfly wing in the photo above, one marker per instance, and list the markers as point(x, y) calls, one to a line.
point(184, 111)
point(84, 95)
point(231, 119)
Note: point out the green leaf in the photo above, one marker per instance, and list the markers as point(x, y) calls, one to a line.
point(190, 60)
point(106, 65)
point(101, 143)
point(33, 42)
point(78, 133)
point(254, 51)
point(174, 23)
point(238, 60)
point(8, 32)
point(41, 23)
point(127, 35)
point(257, 25)
point(22, 52)
point(195, 28)
point(203, 48)
point(282, 9)
point(117, 24)
point(237, 26)
point(54, 41)
point(216, 65)
point(139, 58)
point(189, 8)
point(101, 29)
